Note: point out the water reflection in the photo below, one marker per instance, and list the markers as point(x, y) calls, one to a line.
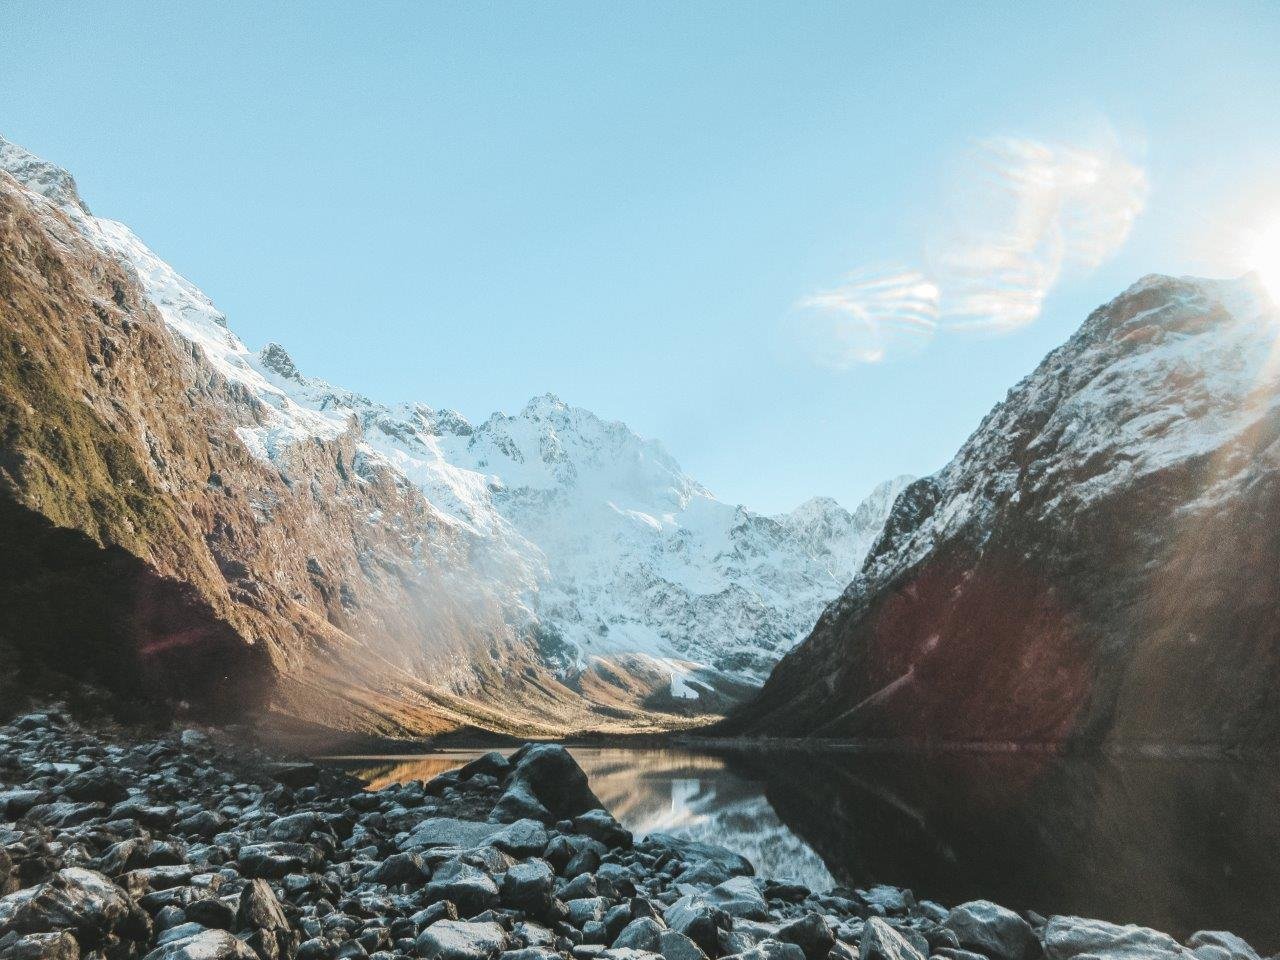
point(1178, 845)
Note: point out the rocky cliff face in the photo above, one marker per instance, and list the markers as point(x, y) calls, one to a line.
point(192, 520)
point(1095, 565)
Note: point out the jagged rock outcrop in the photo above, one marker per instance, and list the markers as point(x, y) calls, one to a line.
point(1096, 565)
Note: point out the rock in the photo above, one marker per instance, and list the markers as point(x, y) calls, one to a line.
point(524, 838)
point(15, 803)
point(275, 859)
point(1235, 947)
point(83, 902)
point(460, 883)
point(890, 901)
point(519, 803)
point(810, 933)
point(260, 910)
point(586, 909)
point(461, 940)
point(399, 868)
point(210, 945)
point(771, 950)
point(554, 779)
point(987, 928)
point(642, 934)
point(449, 832)
point(212, 913)
point(695, 852)
point(676, 946)
point(1066, 937)
point(529, 887)
point(881, 942)
point(739, 897)
point(600, 825)
point(59, 945)
point(97, 783)
point(699, 921)
point(183, 931)
point(492, 764)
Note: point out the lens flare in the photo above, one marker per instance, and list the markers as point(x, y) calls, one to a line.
point(1264, 259)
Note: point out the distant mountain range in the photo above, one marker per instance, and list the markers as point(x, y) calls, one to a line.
point(1097, 565)
point(191, 520)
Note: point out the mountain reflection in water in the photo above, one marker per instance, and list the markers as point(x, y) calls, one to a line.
point(1178, 845)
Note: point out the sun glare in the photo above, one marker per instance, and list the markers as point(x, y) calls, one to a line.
point(1264, 259)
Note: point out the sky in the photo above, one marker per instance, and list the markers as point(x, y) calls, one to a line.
point(807, 247)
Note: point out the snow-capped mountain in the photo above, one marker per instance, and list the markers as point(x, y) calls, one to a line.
point(1095, 564)
point(615, 551)
point(579, 548)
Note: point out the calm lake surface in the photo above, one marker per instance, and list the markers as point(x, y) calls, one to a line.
point(1173, 844)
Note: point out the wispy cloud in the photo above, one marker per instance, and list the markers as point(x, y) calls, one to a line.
point(1025, 212)
point(870, 314)
point(1022, 213)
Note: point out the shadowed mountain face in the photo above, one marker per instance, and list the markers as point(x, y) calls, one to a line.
point(1097, 563)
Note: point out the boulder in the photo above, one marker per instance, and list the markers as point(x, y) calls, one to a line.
point(59, 945)
point(529, 887)
point(642, 934)
point(1066, 937)
point(449, 832)
point(600, 825)
point(771, 950)
point(1235, 947)
point(739, 897)
point(461, 940)
point(674, 945)
point(550, 774)
point(399, 868)
point(524, 838)
point(993, 930)
point(83, 902)
point(260, 910)
point(699, 921)
point(97, 783)
point(810, 933)
point(694, 852)
point(209, 945)
point(881, 942)
point(472, 890)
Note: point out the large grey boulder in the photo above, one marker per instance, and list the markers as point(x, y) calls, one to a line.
point(449, 832)
point(529, 887)
point(461, 940)
point(549, 774)
point(674, 945)
point(1066, 937)
point(1207, 944)
point(991, 929)
point(644, 933)
point(881, 942)
point(60, 945)
point(470, 888)
point(83, 902)
point(739, 897)
point(699, 921)
point(209, 945)
point(810, 933)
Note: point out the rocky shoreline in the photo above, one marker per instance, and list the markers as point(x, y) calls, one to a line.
point(186, 847)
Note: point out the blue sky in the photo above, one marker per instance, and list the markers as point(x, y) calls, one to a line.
point(654, 210)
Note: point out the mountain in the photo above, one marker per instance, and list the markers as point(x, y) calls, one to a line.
point(1097, 565)
point(195, 521)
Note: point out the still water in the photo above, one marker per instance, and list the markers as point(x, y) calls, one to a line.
point(1177, 845)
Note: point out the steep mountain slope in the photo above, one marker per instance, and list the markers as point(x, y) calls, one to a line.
point(384, 569)
point(1097, 564)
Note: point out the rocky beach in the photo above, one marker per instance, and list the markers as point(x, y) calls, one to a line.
point(191, 846)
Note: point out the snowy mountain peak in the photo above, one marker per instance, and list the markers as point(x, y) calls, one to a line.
point(592, 537)
point(40, 176)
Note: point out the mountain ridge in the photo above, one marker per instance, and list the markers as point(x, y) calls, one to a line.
point(1091, 567)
